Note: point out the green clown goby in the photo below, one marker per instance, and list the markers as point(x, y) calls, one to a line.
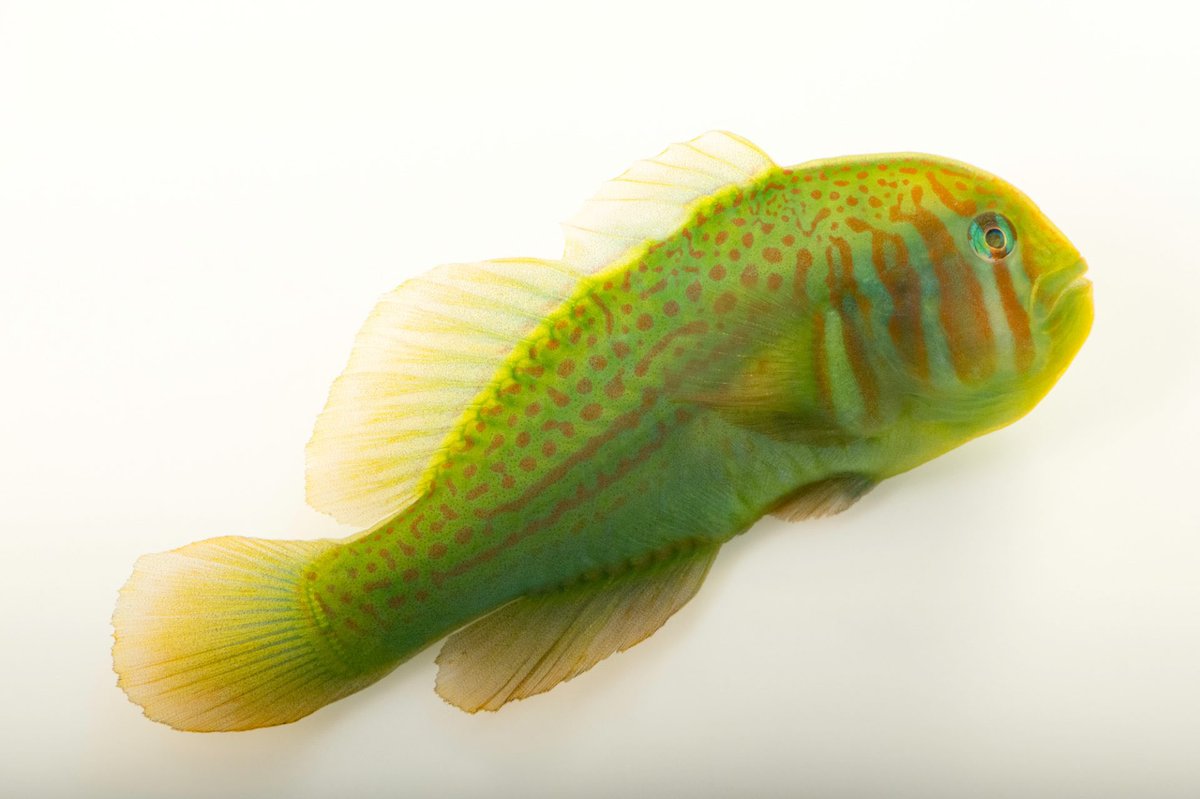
point(546, 456)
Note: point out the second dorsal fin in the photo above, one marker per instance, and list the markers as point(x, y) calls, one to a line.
point(421, 357)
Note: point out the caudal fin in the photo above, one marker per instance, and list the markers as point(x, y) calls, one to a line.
point(220, 635)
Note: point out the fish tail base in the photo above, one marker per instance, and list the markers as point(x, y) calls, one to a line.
point(221, 635)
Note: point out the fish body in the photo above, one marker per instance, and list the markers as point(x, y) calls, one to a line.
point(565, 445)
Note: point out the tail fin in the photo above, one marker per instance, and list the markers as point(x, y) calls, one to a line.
point(220, 635)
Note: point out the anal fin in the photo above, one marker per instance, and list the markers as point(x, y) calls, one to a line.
point(531, 645)
point(824, 497)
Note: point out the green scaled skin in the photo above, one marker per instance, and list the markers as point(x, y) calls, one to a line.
point(800, 337)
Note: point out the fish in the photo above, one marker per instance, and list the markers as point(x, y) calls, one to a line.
point(544, 457)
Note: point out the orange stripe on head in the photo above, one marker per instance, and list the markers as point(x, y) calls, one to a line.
point(800, 281)
point(903, 285)
point(961, 310)
point(1017, 318)
point(856, 352)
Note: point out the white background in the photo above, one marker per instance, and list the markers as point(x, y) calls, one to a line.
point(200, 202)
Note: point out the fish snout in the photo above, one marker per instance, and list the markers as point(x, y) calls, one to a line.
point(1051, 289)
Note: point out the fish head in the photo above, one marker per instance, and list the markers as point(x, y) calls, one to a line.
point(1040, 283)
point(1006, 303)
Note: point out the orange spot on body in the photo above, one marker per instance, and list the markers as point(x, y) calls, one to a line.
point(657, 287)
point(615, 387)
point(560, 399)
point(960, 207)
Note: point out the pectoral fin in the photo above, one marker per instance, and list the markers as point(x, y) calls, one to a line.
point(533, 644)
point(770, 390)
point(824, 497)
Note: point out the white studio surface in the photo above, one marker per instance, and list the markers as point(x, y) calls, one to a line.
point(199, 204)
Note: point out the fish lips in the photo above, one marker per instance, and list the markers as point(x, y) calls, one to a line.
point(1063, 288)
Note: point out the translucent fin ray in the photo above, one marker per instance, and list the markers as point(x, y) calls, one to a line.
point(422, 356)
point(442, 336)
point(539, 641)
point(824, 497)
point(217, 635)
point(651, 199)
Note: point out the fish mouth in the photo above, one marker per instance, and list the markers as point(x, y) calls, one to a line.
point(1052, 290)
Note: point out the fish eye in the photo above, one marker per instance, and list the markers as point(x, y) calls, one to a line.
point(992, 237)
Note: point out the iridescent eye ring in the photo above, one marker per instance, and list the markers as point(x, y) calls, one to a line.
point(992, 237)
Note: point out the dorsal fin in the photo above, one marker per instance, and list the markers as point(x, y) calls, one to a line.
point(422, 355)
point(652, 198)
point(533, 644)
point(431, 346)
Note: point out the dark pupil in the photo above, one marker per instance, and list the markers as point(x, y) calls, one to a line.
point(995, 238)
